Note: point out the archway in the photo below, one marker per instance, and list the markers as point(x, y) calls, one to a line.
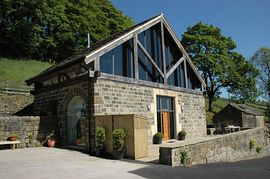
point(76, 122)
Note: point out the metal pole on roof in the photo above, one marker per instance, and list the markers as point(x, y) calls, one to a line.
point(88, 40)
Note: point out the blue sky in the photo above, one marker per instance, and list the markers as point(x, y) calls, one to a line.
point(247, 22)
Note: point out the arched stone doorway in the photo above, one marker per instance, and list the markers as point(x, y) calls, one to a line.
point(76, 122)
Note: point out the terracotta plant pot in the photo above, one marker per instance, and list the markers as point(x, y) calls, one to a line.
point(51, 142)
point(12, 138)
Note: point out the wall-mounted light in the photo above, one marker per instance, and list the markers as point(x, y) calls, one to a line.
point(148, 107)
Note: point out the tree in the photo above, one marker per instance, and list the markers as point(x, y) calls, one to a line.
point(55, 30)
point(242, 79)
point(261, 60)
point(219, 65)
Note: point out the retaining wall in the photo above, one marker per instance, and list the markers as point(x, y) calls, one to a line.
point(225, 148)
point(31, 130)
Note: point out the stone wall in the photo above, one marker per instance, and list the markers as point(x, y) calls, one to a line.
point(192, 116)
point(224, 148)
point(31, 130)
point(251, 121)
point(114, 98)
point(54, 101)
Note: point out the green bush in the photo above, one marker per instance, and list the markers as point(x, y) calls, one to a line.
point(158, 135)
point(259, 148)
point(209, 117)
point(118, 136)
point(184, 157)
point(182, 135)
point(252, 143)
point(100, 137)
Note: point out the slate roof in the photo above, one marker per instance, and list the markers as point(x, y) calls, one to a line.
point(246, 109)
point(76, 59)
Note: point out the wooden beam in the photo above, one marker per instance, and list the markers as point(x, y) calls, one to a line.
point(185, 70)
point(97, 64)
point(174, 67)
point(135, 52)
point(150, 58)
point(163, 53)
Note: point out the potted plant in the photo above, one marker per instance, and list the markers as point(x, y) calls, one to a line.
point(100, 141)
point(118, 137)
point(51, 139)
point(182, 135)
point(157, 139)
point(12, 136)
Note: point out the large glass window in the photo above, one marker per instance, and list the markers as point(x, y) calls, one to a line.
point(151, 41)
point(119, 61)
point(193, 81)
point(177, 78)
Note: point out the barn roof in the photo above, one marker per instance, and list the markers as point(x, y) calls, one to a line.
point(246, 109)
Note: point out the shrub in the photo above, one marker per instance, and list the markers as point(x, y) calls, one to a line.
point(118, 136)
point(184, 157)
point(259, 148)
point(158, 135)
point(100, 137)
point(182, 134)
point(252, 143)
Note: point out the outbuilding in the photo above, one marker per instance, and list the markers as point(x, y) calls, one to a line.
point(239, 115)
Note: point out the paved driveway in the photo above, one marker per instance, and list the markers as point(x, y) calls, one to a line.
point(59, 163)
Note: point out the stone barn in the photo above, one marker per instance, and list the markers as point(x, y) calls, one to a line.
point(239, 115)
point(143, 70)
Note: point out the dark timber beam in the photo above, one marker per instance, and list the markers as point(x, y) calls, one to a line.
point(174, 67)
point(150, 58)
point(163, 53)
point(135, 49)
point(185, 70)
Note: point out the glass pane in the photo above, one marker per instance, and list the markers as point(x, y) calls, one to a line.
point(172, 52)
point(106, 63)
point(118, 61)
point(151, 41)
point(193, 81)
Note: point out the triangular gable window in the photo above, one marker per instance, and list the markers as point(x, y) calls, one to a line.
point(119, 61)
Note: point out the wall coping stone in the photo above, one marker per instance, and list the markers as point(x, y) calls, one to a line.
point(179, 144)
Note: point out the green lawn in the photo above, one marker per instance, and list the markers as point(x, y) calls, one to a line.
point(15, 72)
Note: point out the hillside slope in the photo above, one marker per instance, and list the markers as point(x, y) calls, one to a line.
point(13, 72)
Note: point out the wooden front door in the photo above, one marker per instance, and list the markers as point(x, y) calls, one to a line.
point(166, 125)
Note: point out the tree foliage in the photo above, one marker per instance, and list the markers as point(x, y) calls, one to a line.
point(48, 29)
point(261, 60)
point(218, 63)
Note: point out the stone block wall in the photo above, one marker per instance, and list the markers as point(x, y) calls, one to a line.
point(54, 101)
point(114, 98)
point(192, 116)
point(31, 130)
point(225, 148)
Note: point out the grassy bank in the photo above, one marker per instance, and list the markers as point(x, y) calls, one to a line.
point(16, 71)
